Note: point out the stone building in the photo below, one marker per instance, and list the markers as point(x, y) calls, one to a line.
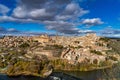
point(42, 38)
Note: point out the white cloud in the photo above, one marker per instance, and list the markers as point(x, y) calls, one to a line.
point(6, 18)
point(63, 17)
point(62, 27)
point(13, 19)
point(12, 30)
point(4, 9)
point(39, 13)
point(19, 12)
point(86, 31)
point(109, 31)
point(15, 32)
point(72, 7)
point(117, 35)
point(58, 12)
point(92, 22)
point(71, 11)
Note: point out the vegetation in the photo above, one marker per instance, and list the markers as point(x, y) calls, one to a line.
point(104, 39)
point(109, 51)
point(115, 45)
point(105, 63)
point(59, 64)
point(76, 47)
point(112, 73)
point(77, 42)
point(53, 47)
point(14, 65)
point(26, 67)
point(113, 58)
point(24, 45)
point(100, 44)
point(96, 52)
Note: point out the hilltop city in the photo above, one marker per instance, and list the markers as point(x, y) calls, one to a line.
point(40, 55)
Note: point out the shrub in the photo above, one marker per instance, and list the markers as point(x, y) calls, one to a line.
point(115, 45)
point(100, 44)
point(104, 39)
point(113, 58)
point(24, 45)
point(26, 66)
point(58, 46)
point(77, 42)
point(52, 47)
point(1, 65)
point(96, 52)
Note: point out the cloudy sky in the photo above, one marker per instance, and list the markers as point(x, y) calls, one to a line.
point(67, 17)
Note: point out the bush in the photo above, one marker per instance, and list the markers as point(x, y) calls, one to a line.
point(100, 44)
point(96, 52)
point(104, 39)
point(113, 58)
point(77, 42)
point(115, 45)
point(52, 47)
point(26, 66)
point(24, 45)
point(2, 65)
point(58, 46)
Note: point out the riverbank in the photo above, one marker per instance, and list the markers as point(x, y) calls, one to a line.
point(85, 70)
point(63, 65)
point(56, 65)
point(102, 74)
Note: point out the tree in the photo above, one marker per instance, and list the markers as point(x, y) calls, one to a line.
point(24, 45)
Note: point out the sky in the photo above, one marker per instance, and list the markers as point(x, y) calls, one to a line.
point(66, 17)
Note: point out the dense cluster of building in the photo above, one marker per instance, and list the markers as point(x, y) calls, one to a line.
point(14, 41)
point(77, 49)
point(87, 44)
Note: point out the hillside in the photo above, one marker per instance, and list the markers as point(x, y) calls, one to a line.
point(39, 55)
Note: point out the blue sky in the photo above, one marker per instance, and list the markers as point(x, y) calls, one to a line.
point(61, 16)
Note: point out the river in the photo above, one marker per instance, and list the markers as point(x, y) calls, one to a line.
point(104, 74)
